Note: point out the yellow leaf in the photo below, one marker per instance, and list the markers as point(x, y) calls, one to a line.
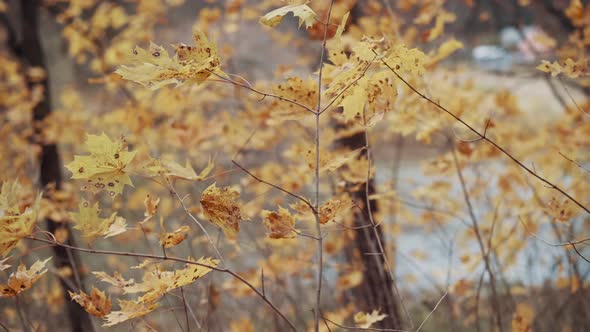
point(16, 222)
point(442, 18)
point(129, 310)
point(221, 208)
point(571, 68)
point(353, 103)
point(88, 221)
point(154, 68)
point(105, 167)
point(156, 283)
point(174, 170)
point(96, 304)
point(151, 206)
point(169, 240)
point(23, 278)
point(280, 225)
point(303, 12)
point(522, 318)
point(365, 320)
point(331, 209)
point(402, 59)
point(444, 50)
point(116, 280)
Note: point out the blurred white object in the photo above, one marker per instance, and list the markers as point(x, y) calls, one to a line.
point(492, 57)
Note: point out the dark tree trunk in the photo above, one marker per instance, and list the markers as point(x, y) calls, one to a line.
point(49, 162)
point(376, 292)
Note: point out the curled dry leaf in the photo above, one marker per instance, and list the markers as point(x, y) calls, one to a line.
point(23, 278)
point(129, 310)
point(331, 209)
point(96, 304)
point(303, 12)
point(169, 240)
point(221, 208)
point(365, 320)
point(280, 224)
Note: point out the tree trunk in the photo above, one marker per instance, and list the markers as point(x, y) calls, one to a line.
point(49, 162)
point(376, 292)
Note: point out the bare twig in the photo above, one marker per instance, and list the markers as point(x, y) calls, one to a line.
point(478, 236)
point(433, 310)
point(317, 112)
point(301, 198)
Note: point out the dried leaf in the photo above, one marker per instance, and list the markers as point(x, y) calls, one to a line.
point(96, 304)
point(221, 208)
point(280, 225)
point(23, 278)
point(303, 12)
point(365, 320)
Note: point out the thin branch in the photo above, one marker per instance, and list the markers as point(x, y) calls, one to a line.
point(320, 244)
point(433, 310)
point(495, 300)
point(348, 86)
point(193, 218)
point(264, 94)
point(375, 225)
point(485, 138)
point(301, 198)
point(355, 328)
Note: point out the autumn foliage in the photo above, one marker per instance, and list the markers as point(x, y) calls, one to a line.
point(200, 192)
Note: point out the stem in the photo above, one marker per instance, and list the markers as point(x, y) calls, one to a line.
point(495, 300)
point(320, 244)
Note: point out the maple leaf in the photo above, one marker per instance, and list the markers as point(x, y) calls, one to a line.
point(402, 59)
point(156, 283)
point(571, 68)
point(365, 320)
point(116, 280)
point(88, 221)
point(279, 224)
point(154, 68)
point(303, 12)
point(15, 222)
point(330, 209)
point(129, 310)
point(23, 278)
point(221, 208)
point(96, 304)
point(173, 169)
point(105, 167)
